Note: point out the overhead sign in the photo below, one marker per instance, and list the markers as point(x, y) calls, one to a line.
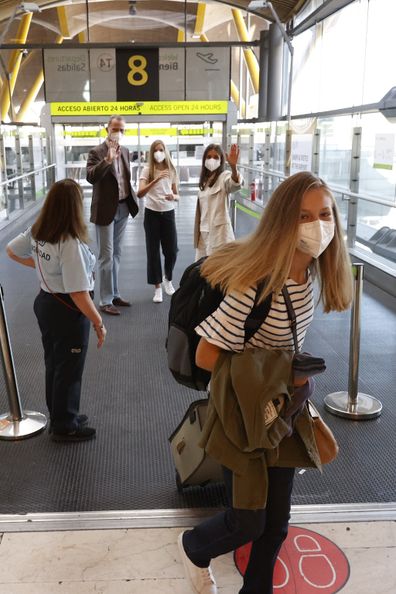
point(102, 64)
point(171, 73)
point(208, 73)
point(108, 108)
point(66, 74)
point(137, 74)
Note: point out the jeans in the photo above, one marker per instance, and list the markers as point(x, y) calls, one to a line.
point(160, 229)
point(65, 335)
point(109, 241)
point(266, 528)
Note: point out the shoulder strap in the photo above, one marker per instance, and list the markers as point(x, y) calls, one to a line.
point(258, 313)
point(292, 316)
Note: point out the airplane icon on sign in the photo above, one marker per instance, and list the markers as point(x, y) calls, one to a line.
point(208, 58)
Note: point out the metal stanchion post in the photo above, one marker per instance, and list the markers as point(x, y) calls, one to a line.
point(354, 404)
point(17, 424)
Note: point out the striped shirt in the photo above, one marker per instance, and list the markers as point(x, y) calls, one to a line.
point(225, 326)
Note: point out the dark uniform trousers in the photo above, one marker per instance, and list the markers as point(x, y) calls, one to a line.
point(265, 528)
point(160, 229)
point(65, 335)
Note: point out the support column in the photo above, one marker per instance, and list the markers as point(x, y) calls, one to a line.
point(33, 91)
point(13, 67)
point(263, 88)
point(249, 55)
point(274, 81)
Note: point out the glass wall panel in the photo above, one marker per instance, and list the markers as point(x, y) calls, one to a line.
point(341, 68)
point(344, 60)
point(305, 91)
point(378, 158)
point(23, 178)
point(379, 74)
point(335, 150)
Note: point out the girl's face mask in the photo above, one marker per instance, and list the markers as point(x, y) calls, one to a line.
point(159, 156)
point(313, 238)
point(212, 164)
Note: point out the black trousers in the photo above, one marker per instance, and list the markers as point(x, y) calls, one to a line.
point(65, 335)
point(160, 229)
point(228, 530)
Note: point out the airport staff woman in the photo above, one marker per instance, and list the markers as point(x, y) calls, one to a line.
point(158, 183)
point(56, 246)
point(212, 228)
point(299, 237)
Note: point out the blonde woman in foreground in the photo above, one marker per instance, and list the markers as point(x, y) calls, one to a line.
point(299, 239)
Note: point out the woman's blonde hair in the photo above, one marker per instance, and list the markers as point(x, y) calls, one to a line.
point(152, 162)
point(268, 252)
point(62, 215)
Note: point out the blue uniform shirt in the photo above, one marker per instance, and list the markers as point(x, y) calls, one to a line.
point(63, 267)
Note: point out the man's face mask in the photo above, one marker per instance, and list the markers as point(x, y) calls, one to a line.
point(313, 238)
point(116, 136)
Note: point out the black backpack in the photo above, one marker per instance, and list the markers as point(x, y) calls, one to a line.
point(194, 301)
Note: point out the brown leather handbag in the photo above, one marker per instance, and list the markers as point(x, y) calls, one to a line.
point(325, 441)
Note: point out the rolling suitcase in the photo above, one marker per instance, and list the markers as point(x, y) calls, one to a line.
point(193, 466)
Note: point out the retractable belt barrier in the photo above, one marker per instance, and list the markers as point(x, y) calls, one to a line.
point(353, 404)
point(17, 424)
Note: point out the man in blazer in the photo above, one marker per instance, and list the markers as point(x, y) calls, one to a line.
point(113, 200)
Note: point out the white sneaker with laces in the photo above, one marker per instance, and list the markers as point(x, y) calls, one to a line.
point(158, 295)
point(169, 288)
point(200, 578)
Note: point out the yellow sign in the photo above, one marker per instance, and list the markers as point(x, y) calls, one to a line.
point(108, 108)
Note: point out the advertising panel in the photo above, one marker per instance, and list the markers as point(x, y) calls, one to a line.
point(301, 153)
point(66, 75)
point(171, 74)
point(102, 64)
point(208, 73)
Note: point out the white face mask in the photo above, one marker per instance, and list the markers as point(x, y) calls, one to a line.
point(212, 164)
point(116, 137)
point(313, 238)
point(159, 156)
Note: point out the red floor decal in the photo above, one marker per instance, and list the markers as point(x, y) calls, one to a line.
point(308, 563)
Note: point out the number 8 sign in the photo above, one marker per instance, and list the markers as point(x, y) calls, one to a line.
point(308, 563)
point(137, 74)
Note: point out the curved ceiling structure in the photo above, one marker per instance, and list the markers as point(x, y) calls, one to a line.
point(121, 22)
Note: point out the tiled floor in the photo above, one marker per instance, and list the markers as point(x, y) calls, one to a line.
point(146, 561)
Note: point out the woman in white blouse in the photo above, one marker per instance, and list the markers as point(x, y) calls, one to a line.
point(213, 227)
point(158, 183)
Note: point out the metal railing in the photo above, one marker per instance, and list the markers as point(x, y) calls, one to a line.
point(9, 180)
point(48, 173)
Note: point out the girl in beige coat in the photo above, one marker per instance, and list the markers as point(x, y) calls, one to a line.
point(213, 227)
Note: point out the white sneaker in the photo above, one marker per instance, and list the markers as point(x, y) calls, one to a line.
point(200, 578)
point(169, 288)
point(158, 295)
